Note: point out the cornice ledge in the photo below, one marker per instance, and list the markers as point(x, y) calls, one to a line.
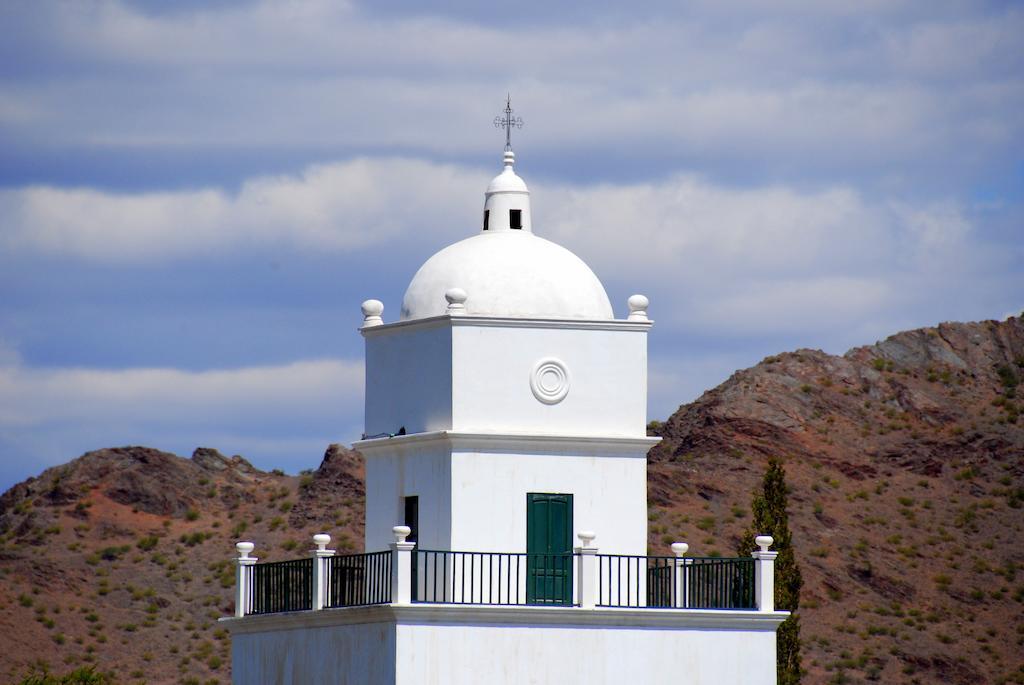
point(447, 614)
point(300, 620)
point(519, 440)
point(509, 322)
point(682, 619)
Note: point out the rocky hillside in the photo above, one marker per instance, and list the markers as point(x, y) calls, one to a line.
point(905, 461)
point(122, 558)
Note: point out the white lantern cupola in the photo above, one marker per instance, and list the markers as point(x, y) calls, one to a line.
point(507, 200)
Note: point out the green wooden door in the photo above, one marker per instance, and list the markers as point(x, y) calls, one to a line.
point(548, 548)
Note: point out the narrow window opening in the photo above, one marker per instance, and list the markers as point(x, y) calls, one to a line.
point(487, 218)
point(515, 218)
point(412, 517)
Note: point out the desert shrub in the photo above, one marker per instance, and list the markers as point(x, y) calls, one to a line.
point(706, 523)
point(113, 553)
point(81, 676)
point(147, 543)
point(193, 539)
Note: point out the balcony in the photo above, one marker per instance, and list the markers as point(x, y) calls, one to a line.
point(584, 579)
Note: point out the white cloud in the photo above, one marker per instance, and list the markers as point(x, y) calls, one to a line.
point(947, 50)
point(708, 227)
point(32, 397)
point(337, 207)
point(799, 88)
point(728, 258)
point(278, 416)
point(812, 303)
point(770, 259)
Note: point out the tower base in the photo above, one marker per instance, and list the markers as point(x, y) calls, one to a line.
point(468, 645)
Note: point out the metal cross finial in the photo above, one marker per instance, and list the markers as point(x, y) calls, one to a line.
point(508, 122)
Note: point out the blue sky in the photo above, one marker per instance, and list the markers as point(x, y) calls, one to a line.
point(195, 197)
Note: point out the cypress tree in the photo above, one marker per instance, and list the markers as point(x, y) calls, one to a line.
point(770, 518)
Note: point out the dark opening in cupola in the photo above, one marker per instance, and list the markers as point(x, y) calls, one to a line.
point(515, 218)
point(487, 218)
point(412, 517)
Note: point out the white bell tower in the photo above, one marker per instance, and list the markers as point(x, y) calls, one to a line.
point(506, 499)
point(507, 377)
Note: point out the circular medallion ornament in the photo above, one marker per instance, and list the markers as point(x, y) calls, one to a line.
point(549, 381)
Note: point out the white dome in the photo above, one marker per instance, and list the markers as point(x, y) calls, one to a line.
point(508, 273)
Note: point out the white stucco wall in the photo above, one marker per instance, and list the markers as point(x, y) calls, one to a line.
point(350, 654)
point(470, 655)
point(607, 379)
point(472, 489)
point(409, 380)
point(403, 469)
point(473, 374)
point(430, 645)
point(489, 498)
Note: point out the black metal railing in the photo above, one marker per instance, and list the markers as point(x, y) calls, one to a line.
point(494, 578)
point(282, 586)
point(358, 580)
point(505, 579)
point(717, 583)
point(627, 581)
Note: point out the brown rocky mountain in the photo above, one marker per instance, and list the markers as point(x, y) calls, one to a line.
point(122, 557)
point(905, 461)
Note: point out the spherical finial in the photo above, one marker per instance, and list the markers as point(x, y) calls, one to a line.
point(456, 298)
point(372, 310)
point(510, 158)
point(321, 540)
point(680, 548)
point(586, 537)
point(244, 548)
point(764, 542)
point(401, 533)
point(638, 307)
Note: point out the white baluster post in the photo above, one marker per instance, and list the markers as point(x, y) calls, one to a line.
point(764, 573)
point(679, 577)
point(401, 566)
point(372, 311)
point(321, 585)
point(638, 305)
point(243, 578)
point(456, 298)
point(587, 572)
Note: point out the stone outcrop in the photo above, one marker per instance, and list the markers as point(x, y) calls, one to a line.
point(905, 461)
